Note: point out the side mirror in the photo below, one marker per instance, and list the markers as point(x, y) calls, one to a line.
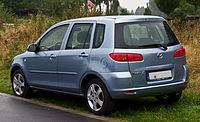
point(32, 48)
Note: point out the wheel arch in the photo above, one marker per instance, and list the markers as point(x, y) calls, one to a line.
point(90, 76)
point(14, 68)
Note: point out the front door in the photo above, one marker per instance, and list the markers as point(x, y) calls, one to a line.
point(42, 65)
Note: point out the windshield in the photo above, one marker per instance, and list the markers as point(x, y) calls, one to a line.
point(142, 34)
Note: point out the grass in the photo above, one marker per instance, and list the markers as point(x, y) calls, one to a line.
point(14, 40)
point(5, 85)
point(142, 109)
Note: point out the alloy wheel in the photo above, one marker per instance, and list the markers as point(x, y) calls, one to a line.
point(18, 84)
point(95, 97)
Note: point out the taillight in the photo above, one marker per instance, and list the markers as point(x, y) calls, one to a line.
point(185, 84)
point(126, 57)
point(130, 92)
point(179, 52)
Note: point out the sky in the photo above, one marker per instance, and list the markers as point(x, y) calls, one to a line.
point(133, 4)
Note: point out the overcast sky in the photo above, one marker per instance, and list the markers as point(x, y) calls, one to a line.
point(133, 4)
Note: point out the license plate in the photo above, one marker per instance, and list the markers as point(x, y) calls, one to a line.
point(159, 75)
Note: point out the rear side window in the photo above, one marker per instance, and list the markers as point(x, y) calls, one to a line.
point(80, 36)
point(138, 34)
point(99, 35)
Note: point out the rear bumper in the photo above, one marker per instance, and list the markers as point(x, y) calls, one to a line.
point(149, 90)
point(119, 82)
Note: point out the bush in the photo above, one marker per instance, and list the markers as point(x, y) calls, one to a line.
point(5, 15)
point(15, 39)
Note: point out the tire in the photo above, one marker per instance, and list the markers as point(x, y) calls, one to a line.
point(97, 98)
point(19, 84)
point(174, 97)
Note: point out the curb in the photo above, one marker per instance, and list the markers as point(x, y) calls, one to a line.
point(107, 119)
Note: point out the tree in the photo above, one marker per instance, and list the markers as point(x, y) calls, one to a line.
point(140, 11)
point(19, 6)
point(107, 2)
point(183, 10)
point(58, 8)
point(154, 9)
point(167, 6)
point(196, 3)
point(114, 6)
point(147, 10)
point(124, 11)
point(5, 15)
point(99, 2)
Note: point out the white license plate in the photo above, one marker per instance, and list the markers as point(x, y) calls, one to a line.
point(159, 75)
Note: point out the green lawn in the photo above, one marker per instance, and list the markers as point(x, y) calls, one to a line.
point(143, 109)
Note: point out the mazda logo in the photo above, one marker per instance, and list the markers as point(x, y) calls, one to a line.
point(160, 55)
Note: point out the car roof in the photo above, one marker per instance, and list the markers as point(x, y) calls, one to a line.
point(114, 19)
point(119, 19)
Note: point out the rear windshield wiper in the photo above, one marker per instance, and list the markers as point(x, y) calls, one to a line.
point(155, 45)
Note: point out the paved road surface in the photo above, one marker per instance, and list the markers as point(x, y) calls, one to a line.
point(13, 110)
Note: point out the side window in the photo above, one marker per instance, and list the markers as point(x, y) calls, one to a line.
point(53, 39)
point(80, 36)
point(99, 35)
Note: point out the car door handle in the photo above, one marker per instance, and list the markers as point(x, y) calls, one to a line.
point(83, 54)
point(52, 56)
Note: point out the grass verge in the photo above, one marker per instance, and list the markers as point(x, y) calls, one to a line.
point(142, 109)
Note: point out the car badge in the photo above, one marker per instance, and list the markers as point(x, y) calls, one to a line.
point(160, 55)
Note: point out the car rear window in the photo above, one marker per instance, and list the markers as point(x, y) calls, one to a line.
point(138, 34)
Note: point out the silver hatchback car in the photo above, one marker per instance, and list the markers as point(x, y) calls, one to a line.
point(104, 59)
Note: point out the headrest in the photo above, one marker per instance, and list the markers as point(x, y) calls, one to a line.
point(127, 34)
point(82, 36)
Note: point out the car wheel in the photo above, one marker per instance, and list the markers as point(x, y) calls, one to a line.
point(174, 97)
point(97, 98)
point(19, 84)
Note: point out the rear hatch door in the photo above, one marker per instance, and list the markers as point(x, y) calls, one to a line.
point(156, 42)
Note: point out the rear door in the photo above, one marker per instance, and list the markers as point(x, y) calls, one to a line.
point(156, 42)
point(73, 61)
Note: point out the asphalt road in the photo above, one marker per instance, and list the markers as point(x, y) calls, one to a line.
point(14, 110)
